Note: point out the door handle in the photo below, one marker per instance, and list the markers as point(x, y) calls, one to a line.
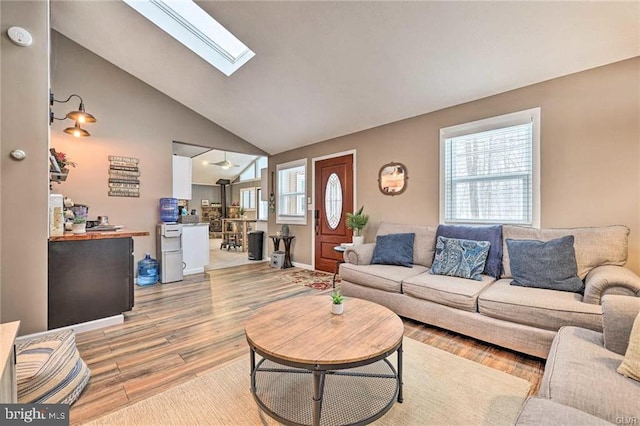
point(316, 214)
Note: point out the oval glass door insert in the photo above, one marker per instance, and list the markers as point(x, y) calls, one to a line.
point(333, 201)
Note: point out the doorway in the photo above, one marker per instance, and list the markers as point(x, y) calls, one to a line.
point(333, 198)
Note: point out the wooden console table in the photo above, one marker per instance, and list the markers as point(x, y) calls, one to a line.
point(287, 248)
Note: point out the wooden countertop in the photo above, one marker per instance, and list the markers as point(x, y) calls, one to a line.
point(124, 233)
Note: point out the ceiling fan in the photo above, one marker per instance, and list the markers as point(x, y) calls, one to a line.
point(226, 164)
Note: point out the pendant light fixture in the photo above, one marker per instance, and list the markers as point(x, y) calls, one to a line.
point(80, 116)
point(77, 131)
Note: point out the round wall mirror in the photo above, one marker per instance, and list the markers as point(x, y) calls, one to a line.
point(392, 179)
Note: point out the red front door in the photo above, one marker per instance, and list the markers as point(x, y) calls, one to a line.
point(333, 199)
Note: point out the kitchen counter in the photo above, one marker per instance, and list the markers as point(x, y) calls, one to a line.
point(90, 276)
point(123, 233)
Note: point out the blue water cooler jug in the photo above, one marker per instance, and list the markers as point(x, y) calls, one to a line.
point(147, 271)
point(169, 209)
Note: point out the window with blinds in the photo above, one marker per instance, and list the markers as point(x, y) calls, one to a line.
point(489, 170)
point(292, 193)
point(248, 199)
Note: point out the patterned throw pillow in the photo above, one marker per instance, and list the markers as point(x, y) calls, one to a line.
point(460, 258)
point(630, 367)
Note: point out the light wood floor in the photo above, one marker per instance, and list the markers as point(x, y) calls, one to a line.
point(181, 330)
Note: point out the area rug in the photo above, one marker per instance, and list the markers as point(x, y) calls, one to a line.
point(314, 279)
point(439, 389)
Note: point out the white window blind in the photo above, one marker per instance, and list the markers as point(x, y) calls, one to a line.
point(291, 205)
point(488, 170)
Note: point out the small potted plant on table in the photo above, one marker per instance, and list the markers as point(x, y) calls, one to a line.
point(79, 225)
point(337, 305)
point(356, 221)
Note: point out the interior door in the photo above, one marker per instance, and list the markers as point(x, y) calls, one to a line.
point(333, 199)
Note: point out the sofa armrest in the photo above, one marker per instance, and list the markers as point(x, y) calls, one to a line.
point(618, 315)
point(360, 254)
point(610, 279)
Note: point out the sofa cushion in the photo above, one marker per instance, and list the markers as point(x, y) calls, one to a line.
point(381, 277)
point(581, 373)
point(594, 246)
point(449, 291)
point(550, 264)
point(460, 258)
point(538, 307)
point(544, 412)
point(630, 367)
point(493, 234)
point(394, 249)
point(424, 243)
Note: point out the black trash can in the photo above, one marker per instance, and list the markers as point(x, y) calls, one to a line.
point(256, 239)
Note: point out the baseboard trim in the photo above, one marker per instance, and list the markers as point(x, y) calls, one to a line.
point(302, 265)
point(193, 271)
point(79, 328)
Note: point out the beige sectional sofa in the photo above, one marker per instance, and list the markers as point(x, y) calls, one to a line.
point(520, 318)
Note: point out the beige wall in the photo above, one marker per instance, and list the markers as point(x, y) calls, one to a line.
point(590, 155)
point(24, 184)
point(134, 120)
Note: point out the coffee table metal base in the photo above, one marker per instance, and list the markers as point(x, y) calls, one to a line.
point(354, 394)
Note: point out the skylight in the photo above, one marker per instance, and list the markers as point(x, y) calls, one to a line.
point(196, 29)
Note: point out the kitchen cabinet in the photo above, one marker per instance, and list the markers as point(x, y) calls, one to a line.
point(195, 247)
point(181, 177)
point(90, 276)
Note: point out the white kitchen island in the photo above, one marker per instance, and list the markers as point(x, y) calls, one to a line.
point(195, 247)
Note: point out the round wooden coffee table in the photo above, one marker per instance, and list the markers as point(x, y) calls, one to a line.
point(319, 368)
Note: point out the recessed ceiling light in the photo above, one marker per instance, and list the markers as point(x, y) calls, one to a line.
point(196, 29)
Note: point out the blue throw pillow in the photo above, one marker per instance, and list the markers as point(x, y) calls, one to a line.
point(460, 258)
point(394, 249)
point(493, 234)
point(551, 265)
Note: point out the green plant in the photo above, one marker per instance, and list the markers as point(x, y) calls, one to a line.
point(241, 211)
point(337, 297)
point(356, 221)
point(79, 219)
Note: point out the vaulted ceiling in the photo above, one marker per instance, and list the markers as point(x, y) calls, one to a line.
point(326, 69)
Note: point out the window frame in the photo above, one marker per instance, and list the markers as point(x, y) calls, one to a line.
point(262, 207)
point(252, 198)
point(502, 121)
point(289, 219)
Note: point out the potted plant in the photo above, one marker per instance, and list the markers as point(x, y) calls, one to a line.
point(337, 307)
point(79, 225)
point(356, 221)
point(241, 212)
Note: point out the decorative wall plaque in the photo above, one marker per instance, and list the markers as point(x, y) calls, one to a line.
point(124, 176)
